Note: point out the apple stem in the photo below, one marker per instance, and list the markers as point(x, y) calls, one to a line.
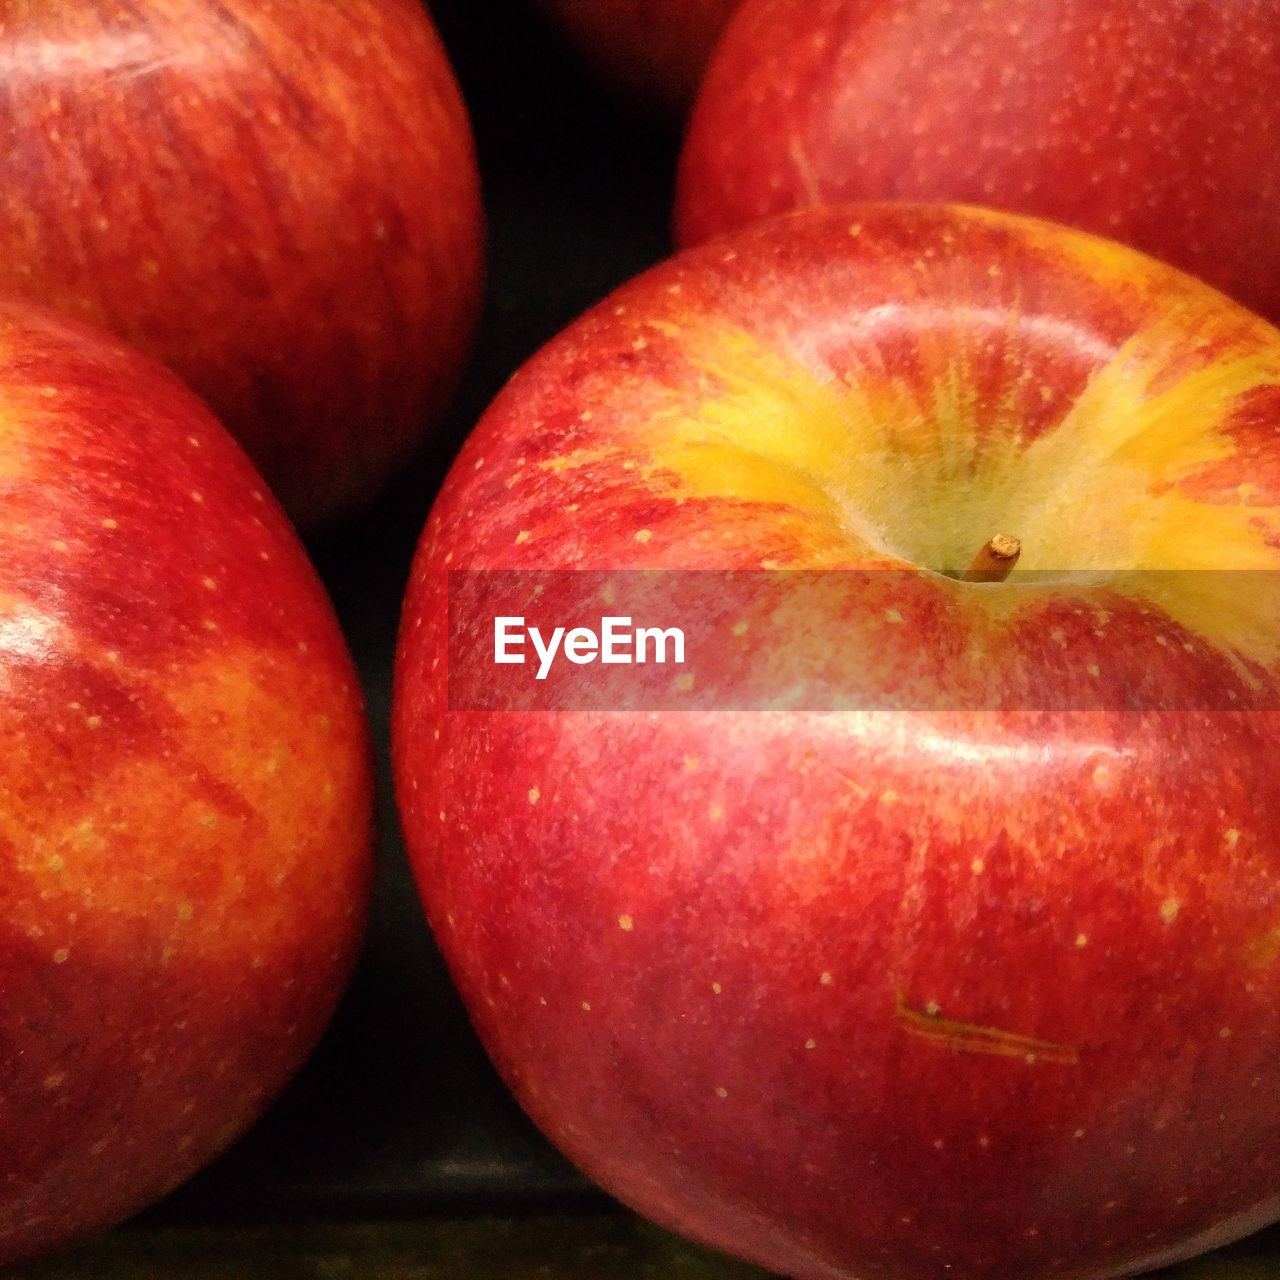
point(994, 563)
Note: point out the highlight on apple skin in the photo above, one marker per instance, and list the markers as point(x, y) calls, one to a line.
point(1152, 124)
point(878, 993)
point(279, 200)
point(656, 50)
point(185, 787)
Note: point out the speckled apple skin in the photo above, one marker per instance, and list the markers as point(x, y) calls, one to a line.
point(1154, 124)
point(185, 787)
point(276, 198)
point(656, 49)
point(878, 994)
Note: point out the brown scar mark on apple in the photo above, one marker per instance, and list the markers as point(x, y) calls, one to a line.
point(803, 167)
point(967, 1037)
point(137, 68)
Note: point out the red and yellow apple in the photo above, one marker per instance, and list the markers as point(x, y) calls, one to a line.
point(655, 49)
point(277, 199)
point(990, 992)
point(185, 787)
point(1151, 124)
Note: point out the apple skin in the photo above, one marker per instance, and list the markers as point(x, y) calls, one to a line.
point(763, 976)
point(1149, 124)
point(655, 49)
point(279, 200)
point(185, 789)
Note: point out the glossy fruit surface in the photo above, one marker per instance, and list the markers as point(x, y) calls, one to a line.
point(992, 993)
point(1151, 124)
point(276, 198)
point(185, 787)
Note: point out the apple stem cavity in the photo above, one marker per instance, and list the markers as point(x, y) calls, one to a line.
point(995, 562)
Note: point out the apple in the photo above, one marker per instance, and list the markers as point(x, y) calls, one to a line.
point(655, 49)
point(1150, 124)
point(185, 787)
point(984, 986)
point(276, 198)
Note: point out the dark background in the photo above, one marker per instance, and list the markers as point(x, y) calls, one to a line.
point(399, 1111)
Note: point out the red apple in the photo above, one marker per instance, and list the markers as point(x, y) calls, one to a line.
point(277, 198)
point(1153, 124)
point(991, 994)
point(656, 49)
point(185, 790)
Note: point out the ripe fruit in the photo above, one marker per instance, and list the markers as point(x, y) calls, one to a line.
point(1150, 124)
point(977, 992)
point(277, 199)
point(185, 790)
point(656, 49)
